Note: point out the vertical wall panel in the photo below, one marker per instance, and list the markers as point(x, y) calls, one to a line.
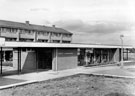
point(67, 58)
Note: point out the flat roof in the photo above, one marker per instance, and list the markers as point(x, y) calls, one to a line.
point(15, 44)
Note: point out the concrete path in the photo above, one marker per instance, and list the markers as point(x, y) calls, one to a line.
point(8, 81)
point(127, 72)
point(40, 76)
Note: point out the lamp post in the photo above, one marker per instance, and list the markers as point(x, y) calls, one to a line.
point(121, 37)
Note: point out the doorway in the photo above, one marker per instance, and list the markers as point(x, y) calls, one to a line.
point(45, 58)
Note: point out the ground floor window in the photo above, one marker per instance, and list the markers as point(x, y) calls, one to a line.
point(66, 41)
point(10, 39)
point(56, 41)
point(96, 56)
point(42, 40)
point(26, 40)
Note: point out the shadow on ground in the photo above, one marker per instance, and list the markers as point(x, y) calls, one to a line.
point(118, 94)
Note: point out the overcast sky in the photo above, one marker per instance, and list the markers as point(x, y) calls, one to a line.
point(91, 21)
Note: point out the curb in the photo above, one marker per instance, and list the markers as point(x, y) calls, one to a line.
point(17, 84)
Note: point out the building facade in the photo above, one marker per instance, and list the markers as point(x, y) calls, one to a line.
point(36, 47)
point(26, 32)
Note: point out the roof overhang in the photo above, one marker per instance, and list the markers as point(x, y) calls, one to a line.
point(58, 45)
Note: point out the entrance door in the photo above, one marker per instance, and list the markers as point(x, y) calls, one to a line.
point(45, 58)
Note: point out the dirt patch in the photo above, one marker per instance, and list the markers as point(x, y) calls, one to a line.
point(77, 85)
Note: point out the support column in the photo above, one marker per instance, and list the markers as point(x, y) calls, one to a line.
point(0, 31)
point(71, 39)
point(56, 59)
point(61, 38)
point(127, 54)
point(19, 60)
point(49, 40)
point(101, 56)
point(4, 54)
point(35, 36)
point(18, 35)
point(86, 58)
point(108, 56)
point(94, 58)
point(1, 60)
point(37, 60)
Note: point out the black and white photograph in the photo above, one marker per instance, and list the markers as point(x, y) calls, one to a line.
point(67, 47)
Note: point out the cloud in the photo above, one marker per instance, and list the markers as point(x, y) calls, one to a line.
point(39, 9)
point(104, 32)
point(93, 27)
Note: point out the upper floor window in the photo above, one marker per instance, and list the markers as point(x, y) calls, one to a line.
point(8, 29)
point(14, 30)
point(21, 31)
point(40, 33)
point(46, 33)
point(28, 32)
point(66, 35)
point(56, 34)
point(3, 29)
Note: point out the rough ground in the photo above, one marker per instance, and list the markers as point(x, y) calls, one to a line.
point(77, 85)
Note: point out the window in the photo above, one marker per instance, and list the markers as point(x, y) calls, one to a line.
point(26, 40)
point(45, 33)
point(3, 29)
point(11, 30)
point(42, 40)
point(14, 30)
point(8, 30)
point(66, 41)
point(26, 31)
point(20, 31)
point(56, 34)
point(10, 39)
point(67, 35)
point(31, 31)
point(53, 34)
point(40, 33)
point(56, 41)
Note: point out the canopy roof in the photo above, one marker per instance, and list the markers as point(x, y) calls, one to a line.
point(59, 45)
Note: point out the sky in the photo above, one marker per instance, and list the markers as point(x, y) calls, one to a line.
point(91, 21)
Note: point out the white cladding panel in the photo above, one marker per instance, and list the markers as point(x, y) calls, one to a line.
point(59, 45)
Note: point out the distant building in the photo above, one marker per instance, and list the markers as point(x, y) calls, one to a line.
point(26, 32)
